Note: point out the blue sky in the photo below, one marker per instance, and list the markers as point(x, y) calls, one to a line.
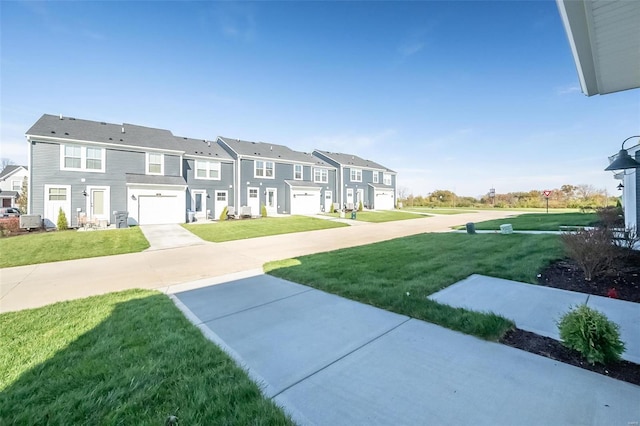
point(452, 95)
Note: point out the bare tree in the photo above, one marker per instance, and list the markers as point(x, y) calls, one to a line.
point(4, 162)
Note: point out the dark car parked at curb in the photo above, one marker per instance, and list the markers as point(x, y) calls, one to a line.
point(9, 212)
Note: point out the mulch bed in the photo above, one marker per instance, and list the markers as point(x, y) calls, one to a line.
point(567, 275)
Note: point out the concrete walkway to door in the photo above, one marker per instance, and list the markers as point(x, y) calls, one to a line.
point(163, 237)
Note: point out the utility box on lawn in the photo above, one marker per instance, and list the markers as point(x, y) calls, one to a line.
point(121, 219)
point(30, 221)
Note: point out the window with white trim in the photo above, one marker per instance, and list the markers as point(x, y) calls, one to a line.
point(82, 158)
point(16, 185)
point(207, 170)
point(263, 169)
point(321, 175)
point(356, 175)
point(386, 179)
point(57, 194)
point(376, 176)
point(297, 171)
point(155, 163)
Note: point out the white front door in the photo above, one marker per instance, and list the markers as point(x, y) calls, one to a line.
point(349, 197)
point(220, 203)
point(253, 201)
point(272, 201)
point(56, 197)
point(199, 202)
point(98, 203)
point(328, 202)
point(359, 199)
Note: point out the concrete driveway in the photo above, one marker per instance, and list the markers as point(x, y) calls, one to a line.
point(37, 285)
point(162, 237)
point(332, 361)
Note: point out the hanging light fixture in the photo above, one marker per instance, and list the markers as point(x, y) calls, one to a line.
point(620, 186)
point(623, 160)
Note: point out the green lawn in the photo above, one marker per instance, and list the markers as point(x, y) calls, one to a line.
point(28, 249)
point(127, 358)
point(398, 275)
point(380, 216)
point(229, 230)
point(541, 221)
point(437, 210)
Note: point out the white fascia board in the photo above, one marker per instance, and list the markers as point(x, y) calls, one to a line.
point(209, 158)
point(36, 138)
point(276, 160)
point(156, 184)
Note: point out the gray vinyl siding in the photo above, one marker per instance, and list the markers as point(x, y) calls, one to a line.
point(171, 165)
point(226, 180)
point(281, 173)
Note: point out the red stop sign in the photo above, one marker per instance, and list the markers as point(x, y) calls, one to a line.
point(546, 193)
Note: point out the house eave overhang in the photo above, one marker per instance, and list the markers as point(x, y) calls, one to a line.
point(54, 139)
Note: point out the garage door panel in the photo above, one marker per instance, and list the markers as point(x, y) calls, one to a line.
point(305, 202)
point(156, 210)
point(383, 200)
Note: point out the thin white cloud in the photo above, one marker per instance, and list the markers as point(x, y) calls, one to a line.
point(236, 21)
point(568, 90)
point(409, 49)
point(352, 143)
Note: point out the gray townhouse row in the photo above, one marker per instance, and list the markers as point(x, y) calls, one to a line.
point(91, 170)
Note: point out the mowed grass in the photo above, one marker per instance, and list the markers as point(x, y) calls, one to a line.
point(437, 210)
point(541, 221)
point(380, 216)
point(230, 230)
point(127, 358)
point(398, 275)
point(55, 246)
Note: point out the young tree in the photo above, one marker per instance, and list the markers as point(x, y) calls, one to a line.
point(23, 197)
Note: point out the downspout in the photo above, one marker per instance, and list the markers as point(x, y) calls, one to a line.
point(238, 165)
point(29, 193)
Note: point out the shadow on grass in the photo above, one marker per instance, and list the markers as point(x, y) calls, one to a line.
point(140, 363)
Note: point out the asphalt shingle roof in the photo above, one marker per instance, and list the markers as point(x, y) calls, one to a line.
point(203, 148)
point(303, 184)
point(267, 150)
point(10, 169)
point(94, 131)
point(353, 160)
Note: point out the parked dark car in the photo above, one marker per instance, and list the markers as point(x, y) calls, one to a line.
point(9, 212)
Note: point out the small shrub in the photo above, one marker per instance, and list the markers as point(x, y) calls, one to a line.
point(263, 211)
point(592, 334)
point(611, 217)
point(628, 240)
point(223, 215)
point(9, 226)
point(62, 220)
point(360, 206)
point(592, 249)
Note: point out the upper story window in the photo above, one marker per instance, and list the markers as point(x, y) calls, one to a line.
point(263, 169)
point(376, 176)
point(16, 185)
point(321, 175)
point(297, 171)
point(155, 163)
point(356, 175)
point(82, 158)
point(207, 170)
point(386, 179)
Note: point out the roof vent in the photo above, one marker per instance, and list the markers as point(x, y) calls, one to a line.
point(209, 144)
point(271, 148)
point(122, 129)
point(60, 116)
point(120, 140)
point(53, 132)
point(66, 133)
point(110, 139)
point(103, 123)
point(71, 118)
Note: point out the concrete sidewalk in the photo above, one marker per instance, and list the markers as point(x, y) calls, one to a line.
point(330, 360)
point(162, 237)
point(37, 285)
point(537, 308)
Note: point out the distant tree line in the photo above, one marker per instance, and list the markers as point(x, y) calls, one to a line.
point(567, 196)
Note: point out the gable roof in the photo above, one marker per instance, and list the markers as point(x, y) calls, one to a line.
point(203, 148)
point(266, 150)
point(10, 169)
point(72, 129)
point(352, 160)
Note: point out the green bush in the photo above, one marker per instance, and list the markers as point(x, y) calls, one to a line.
point(360, 206)
point(592, 334)
point(263, 210)
point(62, 220)
point(223, 215)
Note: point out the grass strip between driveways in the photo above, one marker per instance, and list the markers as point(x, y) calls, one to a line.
point(55, 246)
point(540, 221)
point(240, 229)
point(123, 358)
point(398, 275)
point(380, 216)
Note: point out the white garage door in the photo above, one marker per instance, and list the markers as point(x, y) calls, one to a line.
point(156, 210)
point(384, 200)
point(305, 202)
